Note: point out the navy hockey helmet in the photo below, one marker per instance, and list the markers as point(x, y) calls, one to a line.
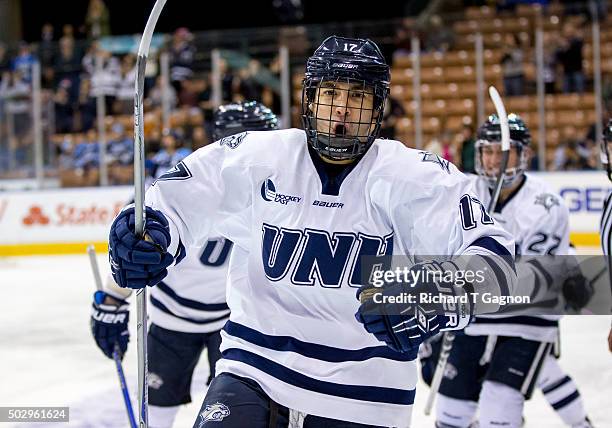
point(233, 118)
point(343, 96)
point(605, 150)
point(520, 139)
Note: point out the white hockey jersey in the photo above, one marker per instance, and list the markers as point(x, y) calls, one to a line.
point(191, 299)
point(294, 269)
point(538, 219)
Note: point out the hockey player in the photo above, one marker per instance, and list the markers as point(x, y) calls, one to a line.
point(302, 207)
point(494, 366)
point(605, 226)
point(187, 308)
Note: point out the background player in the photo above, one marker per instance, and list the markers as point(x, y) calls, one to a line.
point(187, 308)
point(606, 218)
point(301, 208)
point(495, 365)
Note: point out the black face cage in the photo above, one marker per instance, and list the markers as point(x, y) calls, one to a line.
point(334, 139)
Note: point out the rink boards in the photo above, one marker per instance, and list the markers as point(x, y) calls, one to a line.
point(65, 221)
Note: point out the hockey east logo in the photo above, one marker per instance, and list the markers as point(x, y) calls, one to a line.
point(269, 194)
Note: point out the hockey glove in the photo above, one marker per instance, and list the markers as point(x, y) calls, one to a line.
point(136, 263)
point(577, 292)
point(109, 324)
point(404, 324)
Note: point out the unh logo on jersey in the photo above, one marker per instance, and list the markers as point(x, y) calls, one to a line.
point(312, 256)
point(214, 413)
point(269, 194)
point(547, 200)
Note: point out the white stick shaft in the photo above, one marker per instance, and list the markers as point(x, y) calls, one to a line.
point(139, 159)
point(91, 251)
point(505, 144)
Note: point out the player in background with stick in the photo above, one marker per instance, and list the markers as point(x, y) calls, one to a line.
point(494, 366)
point(187, 309)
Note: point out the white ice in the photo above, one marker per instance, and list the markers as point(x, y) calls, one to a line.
point(48, 357)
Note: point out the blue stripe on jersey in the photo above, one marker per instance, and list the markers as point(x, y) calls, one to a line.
point(499, 275)
point(492, 245)
point(314, 350)
point(525, 320)
point(188, 303)
point(376, 394)
point(567, 400)
point(159, 305)
point(540, 268)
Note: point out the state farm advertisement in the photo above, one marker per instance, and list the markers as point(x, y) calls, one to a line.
point(63, 215)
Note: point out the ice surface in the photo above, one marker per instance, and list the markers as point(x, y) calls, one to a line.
point(48, 357)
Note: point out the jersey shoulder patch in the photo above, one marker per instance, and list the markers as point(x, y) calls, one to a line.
point(233, 141)
point(177, 172)
point(547, 200)
point(434, 158)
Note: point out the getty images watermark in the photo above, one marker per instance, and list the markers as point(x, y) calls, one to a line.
point(456, 278)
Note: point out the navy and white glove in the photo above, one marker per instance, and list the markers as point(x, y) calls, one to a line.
point(404, 326)
point(109, 323)
point(135, 262)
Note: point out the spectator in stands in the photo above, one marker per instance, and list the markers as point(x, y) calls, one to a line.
point(68, 66)
point(85, 114)
point(5, 62)
point(512, 65)
point(97, 20)
point(227, 81)
point(249, 86)
point(15, 92)
point(87, 153)
point(171, 152)
point(569, 56)
point(403, 37)
point(64, 111)
point(439, 36)
point(23, 62)
point(46, 54)
point(124, 103)
point(67, 33)
point(105, 81)
point(198, 138)
point(155, 95)
point(66, 152)
point(88, 63)
point(550, 62)
point(182, 55)
point(393, 112)
point(468, 149)
point(120, 148)
point(567, 156)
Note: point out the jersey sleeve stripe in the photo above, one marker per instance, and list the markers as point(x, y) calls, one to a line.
point(500, 276)
point(159, 305)
point(188, 303)
point(491, 245)
point(355, 392)
point(541, 269)
point(313, 350)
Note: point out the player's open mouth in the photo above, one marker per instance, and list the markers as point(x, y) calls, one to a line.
point(340, 130)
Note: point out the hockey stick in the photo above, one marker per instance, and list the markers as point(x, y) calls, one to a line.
point(139, 159)
point(124, 389)
point(449, 336)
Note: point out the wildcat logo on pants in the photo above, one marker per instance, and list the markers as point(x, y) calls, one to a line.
point(214, 413)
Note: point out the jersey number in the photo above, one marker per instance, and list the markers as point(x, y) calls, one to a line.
point(468, 221)
point(542, 241)
point(213, 255)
